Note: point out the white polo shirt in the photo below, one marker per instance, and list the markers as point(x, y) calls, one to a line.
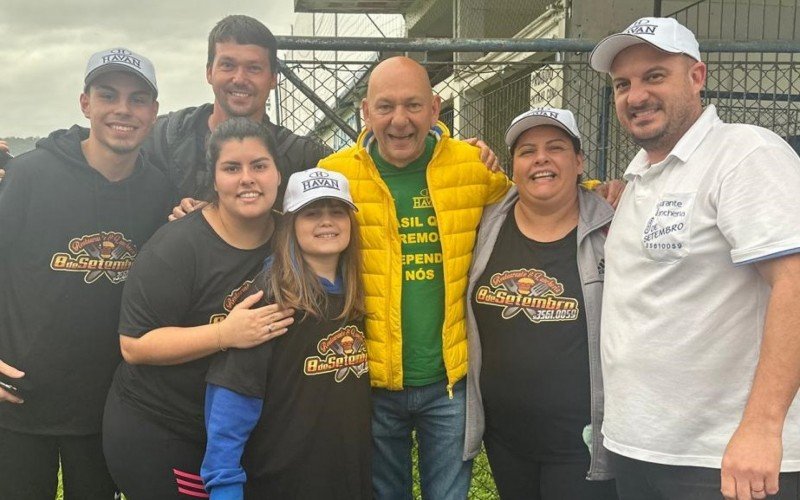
point(683, 312)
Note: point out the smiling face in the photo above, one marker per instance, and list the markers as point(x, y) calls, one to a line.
point(323, 230)
point(121, 109)
point(400, 109)
point(242, 78)
point(546, 166)
point(657, 96)
point(245, 178)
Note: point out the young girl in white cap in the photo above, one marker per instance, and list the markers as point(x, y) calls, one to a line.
point(291, 418)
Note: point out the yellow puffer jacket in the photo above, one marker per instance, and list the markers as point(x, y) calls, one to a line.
point(460, 186)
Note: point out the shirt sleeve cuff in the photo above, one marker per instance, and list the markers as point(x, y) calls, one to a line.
point(227, 492)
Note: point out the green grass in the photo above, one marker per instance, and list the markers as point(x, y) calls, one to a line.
point(60, 491)
point(482, 487)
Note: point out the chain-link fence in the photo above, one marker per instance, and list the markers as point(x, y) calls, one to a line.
point(741, 19)
point(480, 99)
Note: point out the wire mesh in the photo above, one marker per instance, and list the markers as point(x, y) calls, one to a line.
point(480, 99)
point(741, 19)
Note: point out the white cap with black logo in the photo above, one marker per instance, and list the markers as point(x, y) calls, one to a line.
point(561, 118)
point(121, 59)
point(315, 184)
point(663, 33)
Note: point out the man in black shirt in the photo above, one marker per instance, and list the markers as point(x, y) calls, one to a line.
point(242, 70)
point(73, 214)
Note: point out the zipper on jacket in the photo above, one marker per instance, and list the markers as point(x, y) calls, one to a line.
point(444, 273)
point(392, 209)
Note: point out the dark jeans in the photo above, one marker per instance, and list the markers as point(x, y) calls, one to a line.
point(29, 467)
point(517, 478)
point(439, 424)
point(638, 480)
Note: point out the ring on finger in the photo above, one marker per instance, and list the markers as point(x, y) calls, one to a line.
point(269, 327)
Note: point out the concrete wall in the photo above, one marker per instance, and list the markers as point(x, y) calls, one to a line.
point(594, 19)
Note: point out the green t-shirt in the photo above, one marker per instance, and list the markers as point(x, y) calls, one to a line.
point(422, 298)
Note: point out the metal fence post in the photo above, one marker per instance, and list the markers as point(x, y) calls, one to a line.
point(306, 91)
point(603, 143)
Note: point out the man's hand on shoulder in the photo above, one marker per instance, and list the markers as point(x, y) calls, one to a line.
point(487, 155)
point(611, 191)
point(186, 206)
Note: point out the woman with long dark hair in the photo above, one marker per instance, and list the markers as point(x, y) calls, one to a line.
point(178, 310)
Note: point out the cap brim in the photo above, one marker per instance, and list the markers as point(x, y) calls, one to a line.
point(292, 209)
point(111, 68)
point(516, 130)
point(602, 56)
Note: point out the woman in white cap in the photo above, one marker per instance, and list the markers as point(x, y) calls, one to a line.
point(291, 418)
point(179, 308)
point(534, 387)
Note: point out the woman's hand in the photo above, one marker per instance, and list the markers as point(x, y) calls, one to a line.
point(246, 327)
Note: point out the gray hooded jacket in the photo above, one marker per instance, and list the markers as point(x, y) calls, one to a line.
point(594, 216)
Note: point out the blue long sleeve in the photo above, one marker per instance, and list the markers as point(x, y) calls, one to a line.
point(230, 418)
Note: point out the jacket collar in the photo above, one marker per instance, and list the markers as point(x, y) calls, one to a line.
point(593, 211)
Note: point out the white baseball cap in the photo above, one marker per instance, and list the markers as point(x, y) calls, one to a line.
point(315, 184)
point(121, 59)
point(561, 118)
point(664, 33)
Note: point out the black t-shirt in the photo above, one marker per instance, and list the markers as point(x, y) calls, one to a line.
point(313, 439)
point(528, 304)
point(185, 276)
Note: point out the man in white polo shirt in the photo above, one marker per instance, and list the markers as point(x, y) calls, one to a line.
point(701, 313)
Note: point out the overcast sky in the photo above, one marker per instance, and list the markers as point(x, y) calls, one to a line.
point(44, 46)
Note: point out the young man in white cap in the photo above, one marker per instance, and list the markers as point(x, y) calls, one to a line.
point(73, 214)
point(700, 343)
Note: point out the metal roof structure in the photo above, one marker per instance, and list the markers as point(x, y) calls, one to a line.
point(354, 6)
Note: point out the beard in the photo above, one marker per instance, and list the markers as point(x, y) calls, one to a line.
point(657, 141)
point(676, 123)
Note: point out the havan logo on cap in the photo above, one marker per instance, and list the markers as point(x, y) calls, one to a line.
point(641, 27)
point(319, 180)
point(544, 112)
point(122, 56)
